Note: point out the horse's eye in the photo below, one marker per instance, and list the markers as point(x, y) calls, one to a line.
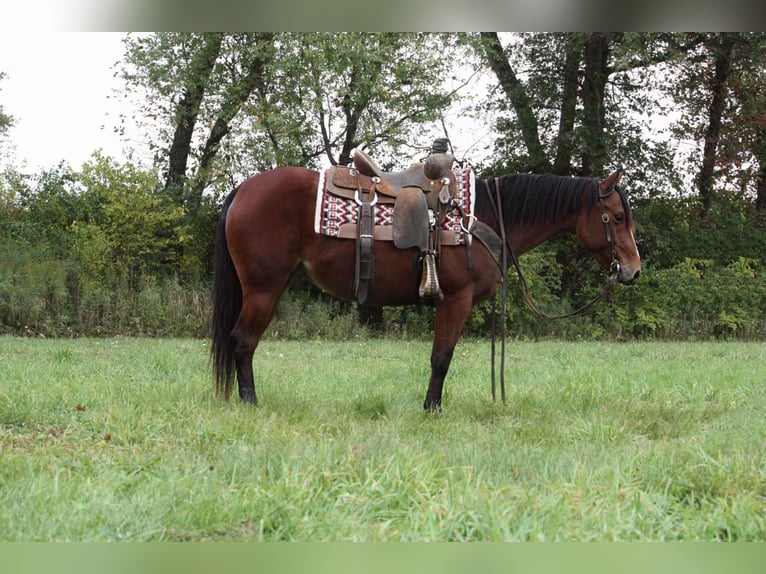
point(619, 218)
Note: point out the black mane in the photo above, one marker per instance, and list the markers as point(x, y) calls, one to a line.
point(543, 199)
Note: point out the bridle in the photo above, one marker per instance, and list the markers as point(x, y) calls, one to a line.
point(614, 267)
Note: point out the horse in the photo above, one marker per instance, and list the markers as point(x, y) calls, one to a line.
point(266, 230)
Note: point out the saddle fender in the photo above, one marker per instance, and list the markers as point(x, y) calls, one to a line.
point(411, 220)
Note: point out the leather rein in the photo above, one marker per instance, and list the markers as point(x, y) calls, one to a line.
point(506, 251)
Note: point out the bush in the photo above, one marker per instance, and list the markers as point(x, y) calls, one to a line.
point(697, 299)
point(33, 289)
point(302, 314)
point(102, 252)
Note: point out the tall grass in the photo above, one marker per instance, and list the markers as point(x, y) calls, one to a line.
point(123, 439)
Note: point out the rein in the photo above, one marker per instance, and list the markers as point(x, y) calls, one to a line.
point(506, 251)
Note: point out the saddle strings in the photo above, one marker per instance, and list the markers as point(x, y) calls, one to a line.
point(497, 208)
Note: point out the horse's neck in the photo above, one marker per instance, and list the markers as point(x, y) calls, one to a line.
point(524, 237)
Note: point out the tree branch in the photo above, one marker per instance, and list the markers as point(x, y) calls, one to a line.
point(518, 97)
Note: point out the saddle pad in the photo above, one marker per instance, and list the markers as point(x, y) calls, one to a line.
point(332, 211)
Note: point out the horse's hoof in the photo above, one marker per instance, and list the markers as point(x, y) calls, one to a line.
point(432, 406)
point(248, 397)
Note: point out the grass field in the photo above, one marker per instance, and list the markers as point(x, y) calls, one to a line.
point(123, 439)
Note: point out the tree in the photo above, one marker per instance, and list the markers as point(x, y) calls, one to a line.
point(720, 92)
point(6, 121)
point(374, 89)
point(722, 48)
point(196, 84)
point(759, 151)
point(231, 104)
point(517, 95)
point(577, 67)
point(578, 100)
point(331, 93)
point(743, 129)
point(252, 54)
point(202, 62)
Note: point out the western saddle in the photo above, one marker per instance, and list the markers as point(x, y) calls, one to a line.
point(422, 196)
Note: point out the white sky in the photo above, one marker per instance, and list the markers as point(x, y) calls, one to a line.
point(59, 87)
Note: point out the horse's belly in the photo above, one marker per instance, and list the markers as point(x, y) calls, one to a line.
point(331, 266)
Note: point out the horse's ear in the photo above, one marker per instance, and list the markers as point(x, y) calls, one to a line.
point(611, 181)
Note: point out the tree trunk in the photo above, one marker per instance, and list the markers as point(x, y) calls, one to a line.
point(236, 97)
point(354, 108)
point(187, 112)
point(596, 56)
point(569, 90)
point(760, 188)
point(760, 198)
point(718, 89)
point(517, 95)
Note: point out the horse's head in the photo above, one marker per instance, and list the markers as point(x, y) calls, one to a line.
point(607, 231)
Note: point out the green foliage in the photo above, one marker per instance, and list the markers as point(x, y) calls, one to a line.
point(696, 299)
point(132, 231)
point(42, 294)
point(350, 89)
point(34, 289)
point(739, 140)
point(99, 251)
point(284, 98)
point(670, 230)
point(106, 249)
point(6, 120)
point(303, 315)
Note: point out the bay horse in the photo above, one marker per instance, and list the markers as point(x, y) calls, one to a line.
point(266, 230)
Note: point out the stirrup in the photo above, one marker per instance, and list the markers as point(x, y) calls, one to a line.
point(429, 281)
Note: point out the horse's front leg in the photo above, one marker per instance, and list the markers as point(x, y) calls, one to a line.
point(450, 317)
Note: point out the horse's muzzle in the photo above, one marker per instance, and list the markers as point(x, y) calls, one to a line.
point(629, 276)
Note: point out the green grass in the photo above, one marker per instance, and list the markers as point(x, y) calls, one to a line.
point(123, 439)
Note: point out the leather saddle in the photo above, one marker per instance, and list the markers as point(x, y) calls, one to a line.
point(426, 176)
point(421, 195)
point(413, 191)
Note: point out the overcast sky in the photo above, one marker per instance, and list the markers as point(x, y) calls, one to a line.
point(59, 87)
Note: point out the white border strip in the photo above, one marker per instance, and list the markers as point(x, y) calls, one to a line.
point(319, 200)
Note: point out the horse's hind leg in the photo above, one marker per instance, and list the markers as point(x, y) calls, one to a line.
point(257, 311)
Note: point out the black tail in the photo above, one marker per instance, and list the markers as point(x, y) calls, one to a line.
point(227, 302)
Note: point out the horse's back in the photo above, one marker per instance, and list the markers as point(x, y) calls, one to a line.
point(268, 201)
point(284, 182)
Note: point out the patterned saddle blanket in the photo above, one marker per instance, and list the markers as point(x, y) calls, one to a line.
point(337, 216)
